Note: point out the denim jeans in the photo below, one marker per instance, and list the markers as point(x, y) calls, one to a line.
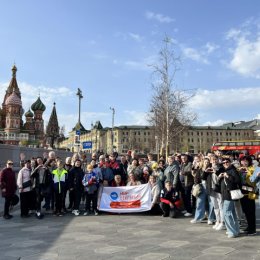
point(200, 205)
point(230, 217)
point(217, 202)
point(211, 212)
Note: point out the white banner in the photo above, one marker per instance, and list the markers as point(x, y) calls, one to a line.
point(126, 199)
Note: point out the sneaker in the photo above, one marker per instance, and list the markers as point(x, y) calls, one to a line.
point(76, 213)
point(38, 215)
point(187, 214)
point(195, 221)
point(215, 226)
point(219, 227)
point(184, 211)
point(86, 213)
point(165, 215)
point(95, 212)
point(232, 236)
point(210, 222)
point(73, 211)
point(251, 233)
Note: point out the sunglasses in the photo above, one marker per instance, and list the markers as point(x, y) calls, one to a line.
point(225, 162)
point(10, 164)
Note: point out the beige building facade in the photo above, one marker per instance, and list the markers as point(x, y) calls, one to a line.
point(194, 139)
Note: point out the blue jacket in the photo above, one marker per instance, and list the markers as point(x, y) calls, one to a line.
point(91, 182)
point(255, 178)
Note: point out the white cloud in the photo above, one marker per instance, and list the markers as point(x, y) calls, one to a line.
point(245, 50)
point(70, 120)
point(210, 47)
point(215, 123)
point(221, 99)
point(134, 118)
point(158, 17)
point(246, 58)
point(135, 37)
point(194, 54)
point(143, 64)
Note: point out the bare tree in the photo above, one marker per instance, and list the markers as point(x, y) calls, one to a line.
point(169, 113)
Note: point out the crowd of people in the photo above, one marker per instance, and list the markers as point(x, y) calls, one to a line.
point(199, 186)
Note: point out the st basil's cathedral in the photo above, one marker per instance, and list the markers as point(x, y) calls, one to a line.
point(31, 132)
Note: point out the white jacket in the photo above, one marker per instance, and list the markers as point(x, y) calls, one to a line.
point(23, 176)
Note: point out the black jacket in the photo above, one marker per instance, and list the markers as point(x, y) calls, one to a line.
point(233, 182)
point(76, 175)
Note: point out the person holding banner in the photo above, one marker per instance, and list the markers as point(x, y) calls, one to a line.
point(91, 183)
point(155, 192)
point(117, 182)
point(170, 200)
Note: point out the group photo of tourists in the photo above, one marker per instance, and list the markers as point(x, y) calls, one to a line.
point(220, 190)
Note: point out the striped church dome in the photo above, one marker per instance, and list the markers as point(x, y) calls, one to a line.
point(13, 99)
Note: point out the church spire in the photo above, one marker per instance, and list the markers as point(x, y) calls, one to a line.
point(53, 130)
point(14, 70)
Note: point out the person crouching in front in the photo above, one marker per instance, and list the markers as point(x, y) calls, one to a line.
point(169, 200)
point(59, 177)
point(91, 182)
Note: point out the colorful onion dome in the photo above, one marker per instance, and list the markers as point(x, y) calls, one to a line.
point(29, 113)
point(38, 105)
point(13, 99)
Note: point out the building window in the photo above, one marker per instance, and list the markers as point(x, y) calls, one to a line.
point(138, 133)
point(144, 133)
point(220, 133)
point(148, 133)
point(216, 133)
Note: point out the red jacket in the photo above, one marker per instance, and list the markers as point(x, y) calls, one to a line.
point(8, 182)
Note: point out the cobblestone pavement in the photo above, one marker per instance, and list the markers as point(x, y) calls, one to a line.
point(120, 237)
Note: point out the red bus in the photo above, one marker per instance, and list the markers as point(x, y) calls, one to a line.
point(250, 147)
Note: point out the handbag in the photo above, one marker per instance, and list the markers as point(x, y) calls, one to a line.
point(27, 184)
point(196, 190)
point(236, 194)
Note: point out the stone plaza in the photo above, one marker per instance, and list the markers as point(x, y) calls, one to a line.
point(124, 236)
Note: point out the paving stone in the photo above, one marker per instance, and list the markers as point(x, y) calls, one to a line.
point(242, 255)
point(195, 228)
point(218, 250)
point(153, 256)
point(42, 256)
point(174, 243)
point(27, 243)
point(110, 249)
point(207, 257)
point(21, 252)
point(150, 222)
point(149, 233)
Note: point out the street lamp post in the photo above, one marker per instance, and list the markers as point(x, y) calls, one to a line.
point(79, 93)
point(112, 130)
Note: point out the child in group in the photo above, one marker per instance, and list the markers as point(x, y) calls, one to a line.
point(59, 177)
point(170, 201)
point(91, 183)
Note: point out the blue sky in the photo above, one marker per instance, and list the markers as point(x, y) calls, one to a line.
point(104, 47)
